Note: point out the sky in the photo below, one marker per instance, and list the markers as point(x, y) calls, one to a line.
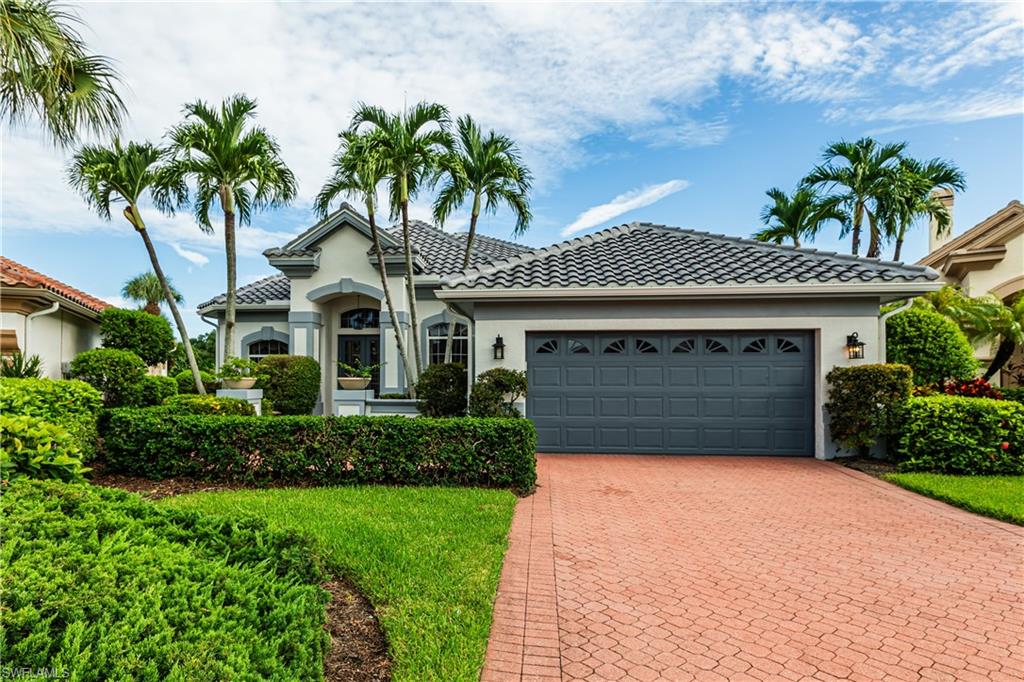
point(682, 114)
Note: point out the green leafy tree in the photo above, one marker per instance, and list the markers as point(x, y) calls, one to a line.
point(146, 290)
point(205, 348)
point(487, 171)
point(797, 217)
point(235, 164)
point(47, 73)
point(409, 145)
point(148, 336)
point(126, 174)
point(858, 173)
point(909, 195)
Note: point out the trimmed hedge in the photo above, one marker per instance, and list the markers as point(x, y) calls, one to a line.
point(441, 390)
point(1016, 394)
point(112, 372)
point(72, 405)
point(104, 586)
point(862, 401)
point(931, 344)
point(290, 382)
point(150, 391)
point(190, 403)
point(956, 435)
point(148, 336)
point(187, 385)
point(324, 450)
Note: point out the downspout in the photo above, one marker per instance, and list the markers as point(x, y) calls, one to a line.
point(39, 313)
point(881, 327)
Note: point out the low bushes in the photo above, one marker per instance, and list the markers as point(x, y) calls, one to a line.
point(112, 372)
point(99, 584)
point(150, 390)
point(33, 448)
point(148, 336)
point(290, 382)
point(441, 390)
point(931, 344)
point(862, 401)
point(186, 384)
point(208, 404)
point(323, 450)
point(1016, 394)
point(495, 393)
point(956, 435)
point(73, 405)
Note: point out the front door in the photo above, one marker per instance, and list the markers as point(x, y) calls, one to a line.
point(365, 348)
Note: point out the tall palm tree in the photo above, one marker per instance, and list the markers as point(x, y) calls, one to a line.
point(410, 145)
point(126, 173)
point(908, 195)
point(858, 172)
point(46, 72)
point(358, 171)
point(488, 171)
point(796, 217)
point(238, 166)
point(148, 290)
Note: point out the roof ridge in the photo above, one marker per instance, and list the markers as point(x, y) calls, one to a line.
point(506, 242)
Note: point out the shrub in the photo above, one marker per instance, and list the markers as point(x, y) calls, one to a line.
point(113, 372)
point(323, 450)
point(150, 391)
point(187, 385)
point(72, 405)
point(17, 366)
point(441, 390)
point(862, 402)
point(148, 336)
point(971, 388)
point(190, 403)
point(1015, 394)
point(931, 344)
point(33, 448)
point(956, 435)
point(290, 382)
point(105, 586)
point(495, 393)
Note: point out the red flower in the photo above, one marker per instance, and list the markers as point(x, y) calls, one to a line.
point(1006, 446)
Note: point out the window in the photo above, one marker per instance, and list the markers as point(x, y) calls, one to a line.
point(437, 343)
point(715, 346)
point(615, 347)
point(784, 345)
point(548, 347)
point(261, 349)
point(758, 345)
point(684, 346)
point(644, 347)
point(577, 347)
point(360, 318)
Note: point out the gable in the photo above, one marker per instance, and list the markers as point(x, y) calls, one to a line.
point(996, 231)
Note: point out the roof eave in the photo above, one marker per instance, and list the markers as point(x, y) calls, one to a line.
point(244, 307)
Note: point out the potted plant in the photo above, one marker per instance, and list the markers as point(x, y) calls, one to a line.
point(238, 373)
point(357, 376)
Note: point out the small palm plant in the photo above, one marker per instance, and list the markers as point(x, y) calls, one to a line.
point(147, 290)
point(797, 217)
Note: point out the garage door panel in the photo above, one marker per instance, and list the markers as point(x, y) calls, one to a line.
point(579, 436)
point(541, 377)
point(753, 407)
point(790, 407)
point(613, 376)
point(547, 406)
point(579, 376)
point(682, 377)
point(579, 406)
point(683, 439)
point(718, 407)
point(613, 406)
point(718, 376)
point(648, 437)
point(653, 406)
point(790, 376)
point(718, 437)
point(760, 375)
point(648, 376)
point(753, 439)
point(683, 407)
point(613, 438)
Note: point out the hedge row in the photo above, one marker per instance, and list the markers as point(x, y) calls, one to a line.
point(73, 405)
point(323, 450)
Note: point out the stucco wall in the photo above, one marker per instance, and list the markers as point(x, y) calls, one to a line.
point(250, 324)
point(980, 282)
point(56, 338)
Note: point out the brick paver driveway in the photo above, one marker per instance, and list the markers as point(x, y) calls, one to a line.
point(647, 568)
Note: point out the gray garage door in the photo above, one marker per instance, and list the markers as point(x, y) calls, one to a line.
point(746, 393)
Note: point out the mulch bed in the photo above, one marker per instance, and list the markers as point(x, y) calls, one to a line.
point(358, 651)
point(869, 465)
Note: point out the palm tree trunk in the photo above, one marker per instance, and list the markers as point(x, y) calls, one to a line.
point(1003, 354)
point(175, 313)
point(899, 242)
point(152, 307)
point(229, 249)
point(399, 341)
point(473, 217)
point(858, 217)
point(875, 243)
point(410, 281)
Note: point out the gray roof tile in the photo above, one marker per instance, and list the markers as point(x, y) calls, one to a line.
point(273, 288)
point(443, 251)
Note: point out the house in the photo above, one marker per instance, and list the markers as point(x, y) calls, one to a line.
point(640, 338)
point(42, 316)
point(986, 259)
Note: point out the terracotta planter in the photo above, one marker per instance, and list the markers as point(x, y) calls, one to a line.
point(240, 384)
point(353, 383)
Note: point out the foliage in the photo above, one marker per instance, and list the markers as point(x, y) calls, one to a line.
point(190, 403)
point(187, 385)
point(441, 390)
point(238, 368)
point(394, 396)
point(48, 73)
point(862, 402)
point(973, 315)
point(113, 372)
point(496, 392)
point(1016, 394)
point(427, 558)
point(1001, 497)
point(205, 348)
point(796, 217)
point(33, 448)
point(148, 292)
point(290, 382)
point(931, 344)
point(1006, 333)
point(358, 369)
point(17, 366)
point(148, 336)
point(151, 390)
point(324, 450)
point(971, 388)
point(72, 405)
point(955, 435)
point(107, 586)
point(908, 195)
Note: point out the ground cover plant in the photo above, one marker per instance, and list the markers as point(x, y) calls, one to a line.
point(427, 558)
point(1001, 497)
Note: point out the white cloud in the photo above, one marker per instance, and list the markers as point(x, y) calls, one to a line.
point(193, 257)
point(628, 201)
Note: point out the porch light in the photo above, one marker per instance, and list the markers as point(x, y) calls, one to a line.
point(499, 348)
point(854, 347)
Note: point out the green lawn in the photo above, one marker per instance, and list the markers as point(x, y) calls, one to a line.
point(1001, 497)
point(427, 558)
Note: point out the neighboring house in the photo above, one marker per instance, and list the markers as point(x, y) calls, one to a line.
point(639, 338)
point(42, 316)
point(988, 258)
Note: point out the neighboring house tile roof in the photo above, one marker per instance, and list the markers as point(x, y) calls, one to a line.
point(442, 252)
point(14, 274)
point(273, 288)
point(643, 254)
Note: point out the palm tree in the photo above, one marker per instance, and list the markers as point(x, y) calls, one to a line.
point(908, 195)
point(859, 171)
point(796, 217)
point(358, 170)
point(46, 72)
point(148, 290)
point(1007, 333)
point(409, 145)
point(488, 171)
point(974, 315)
point(125, 173)
point(238, 166)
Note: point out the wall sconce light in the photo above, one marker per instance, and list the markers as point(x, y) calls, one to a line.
point(854, 347)
point(499, 348)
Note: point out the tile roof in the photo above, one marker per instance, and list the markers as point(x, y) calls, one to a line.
point(443, 251)
point(14, 274)
point(644, 254)
point(273, 288)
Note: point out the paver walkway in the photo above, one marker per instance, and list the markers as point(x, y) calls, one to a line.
point(645, 568)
